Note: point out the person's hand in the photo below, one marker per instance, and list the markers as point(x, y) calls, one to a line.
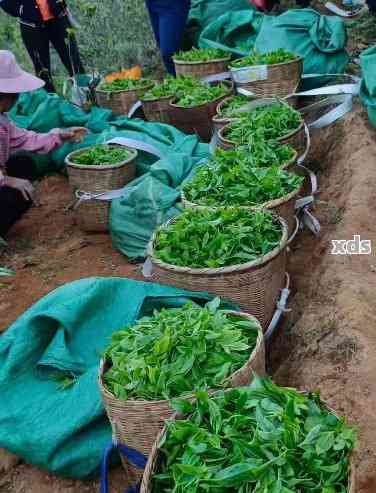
point(73, 134)
point(23, 186)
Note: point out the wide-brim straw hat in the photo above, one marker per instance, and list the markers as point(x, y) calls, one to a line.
point(13, 79)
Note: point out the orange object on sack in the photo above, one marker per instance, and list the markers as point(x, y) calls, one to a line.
point(133, 73)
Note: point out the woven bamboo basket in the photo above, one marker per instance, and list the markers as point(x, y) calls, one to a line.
point(119, 102)
point(219, 121)
point(153, 464)
point(157, 110)
point(283, 207)
point(201, 69)
point(255, 285)
point(296, 138)
point(137, 423)
point(281, 79)
point(93, 215)
point(100, 178)
point(197, 120)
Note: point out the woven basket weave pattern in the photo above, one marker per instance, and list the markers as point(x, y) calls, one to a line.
point(119, 102)
point(158, 110)
point(196, 120)
point(201, 69)
point(137, 423)
point(283, 80)
point(92, 215)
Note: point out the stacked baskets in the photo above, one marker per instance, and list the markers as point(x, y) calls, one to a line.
point(92, 213)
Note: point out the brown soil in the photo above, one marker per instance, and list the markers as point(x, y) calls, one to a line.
point(328, 341)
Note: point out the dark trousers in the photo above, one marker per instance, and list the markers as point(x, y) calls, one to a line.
point(168, 19)
point(37, 42)
point(12, 203)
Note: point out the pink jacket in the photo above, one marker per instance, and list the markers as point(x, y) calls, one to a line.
point(13, 139)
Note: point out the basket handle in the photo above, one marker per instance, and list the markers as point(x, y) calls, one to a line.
point(137, 459)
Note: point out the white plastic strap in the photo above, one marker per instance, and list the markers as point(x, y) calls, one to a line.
point(217, 77)
point(303, 157)
point(350, 88)
point(134, 108)
point(312, 177)
point(332, 7)
point(137, 144)
point(310, 221)
point(281, 308)
point(147, 268)
point(107, 196)
point(345, 104)
point(295, 232)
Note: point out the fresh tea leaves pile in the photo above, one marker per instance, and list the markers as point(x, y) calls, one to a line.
point(102, 155)
point(200, 55)
point(268, 122)
point(217, 238)
point(270, 58)
point(232, 104)
point(234, 184)
point(200, 94)
point(257, 439)
point(179, 350)
point(168, 87)
point(125, 85)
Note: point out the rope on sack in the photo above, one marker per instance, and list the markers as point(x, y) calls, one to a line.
point(134, 457)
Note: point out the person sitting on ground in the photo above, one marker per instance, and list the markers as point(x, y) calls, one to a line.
point(16, 172)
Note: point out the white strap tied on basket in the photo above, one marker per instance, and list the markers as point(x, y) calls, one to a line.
point(281, 309)
point(217, 77)
point(147, 268)
point(83, 196)
point(134, 108)
point(139, 145)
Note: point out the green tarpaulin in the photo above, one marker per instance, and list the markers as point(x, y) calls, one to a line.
point(320, 39)
point(368, 86)
point(65, 431)
point(147, 201)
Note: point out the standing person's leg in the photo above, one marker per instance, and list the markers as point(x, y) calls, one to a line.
point(172, 21)
point(64, 42)
point(12, 203)
point(37, 45)
point(154, 19)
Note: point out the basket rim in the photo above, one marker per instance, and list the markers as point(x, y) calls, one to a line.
point(141, 88)
point(279, 139)
point(228, 83)
point(298, 59)
point(258, 262)
point(270, 204)
point(161, 98)
point(104, 167)
point(214, 60)
point(252, 356)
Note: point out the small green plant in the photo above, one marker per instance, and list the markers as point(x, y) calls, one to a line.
point(200, 55)
point(217, 238)
point(270, 122)
point(270, 58)
point(257, 439)
point(125, 85)
point(234, 184)
point(102, 155)
point(167, 88)
point(177, 351)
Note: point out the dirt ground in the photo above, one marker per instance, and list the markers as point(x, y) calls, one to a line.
point(327, 341)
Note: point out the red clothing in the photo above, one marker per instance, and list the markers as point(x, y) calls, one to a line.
point(14, 139)
point(45, 10)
